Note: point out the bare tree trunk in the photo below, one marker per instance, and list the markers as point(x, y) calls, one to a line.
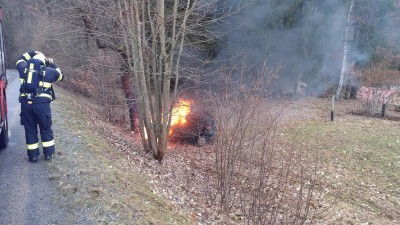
point(130, 100)
point(154, 55)
point(345, 63)
point(126, 80)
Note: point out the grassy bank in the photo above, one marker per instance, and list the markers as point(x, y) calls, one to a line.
point(361, 166)
point(105, 178)
point(96, 179)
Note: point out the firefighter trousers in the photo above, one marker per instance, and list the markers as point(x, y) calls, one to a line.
point(34, 115)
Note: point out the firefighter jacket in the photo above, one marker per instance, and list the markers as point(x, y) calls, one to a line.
point(51, 74)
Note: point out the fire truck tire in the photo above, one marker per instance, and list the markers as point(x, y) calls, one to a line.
point(4, 135)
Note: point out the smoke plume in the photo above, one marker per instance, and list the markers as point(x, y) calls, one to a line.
point(307, 38)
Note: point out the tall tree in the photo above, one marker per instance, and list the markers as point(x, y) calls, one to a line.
point(149, 37)
point(93, 15)
point(154, 36)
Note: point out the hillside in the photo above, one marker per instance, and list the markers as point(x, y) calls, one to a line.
point(102, 172)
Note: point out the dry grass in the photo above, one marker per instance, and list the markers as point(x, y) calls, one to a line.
point(361, 160)
point(98, 183)
point(103, 174)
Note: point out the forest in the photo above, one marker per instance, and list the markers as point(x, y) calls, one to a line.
point(233, 59)
point(317, 45)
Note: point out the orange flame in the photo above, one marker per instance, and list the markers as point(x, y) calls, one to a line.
point(179, 114)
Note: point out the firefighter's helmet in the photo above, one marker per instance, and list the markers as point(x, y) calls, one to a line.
point(40, 56)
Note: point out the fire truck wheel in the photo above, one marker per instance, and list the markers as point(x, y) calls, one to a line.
point(4, 134)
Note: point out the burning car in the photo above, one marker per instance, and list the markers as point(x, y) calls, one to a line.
point(192, 125)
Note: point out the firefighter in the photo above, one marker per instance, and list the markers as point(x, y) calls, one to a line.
point(37, 73)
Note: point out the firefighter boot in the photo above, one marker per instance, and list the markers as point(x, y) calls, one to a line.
point(48, 151)
point(33, 155)
point(33, 159)
point(48, 157)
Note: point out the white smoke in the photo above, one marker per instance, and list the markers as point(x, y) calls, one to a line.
point(308, 44)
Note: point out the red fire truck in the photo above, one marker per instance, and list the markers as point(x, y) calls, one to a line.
point(3, 84)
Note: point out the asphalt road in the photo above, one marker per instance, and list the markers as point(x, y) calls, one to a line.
point(26, 193)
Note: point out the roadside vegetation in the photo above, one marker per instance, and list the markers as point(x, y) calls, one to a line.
point(97, 179)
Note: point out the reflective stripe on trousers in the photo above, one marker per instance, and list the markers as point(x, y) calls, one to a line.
point(32, 116)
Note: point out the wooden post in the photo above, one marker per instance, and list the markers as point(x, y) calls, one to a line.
point(333, 108)
point(384, 106)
